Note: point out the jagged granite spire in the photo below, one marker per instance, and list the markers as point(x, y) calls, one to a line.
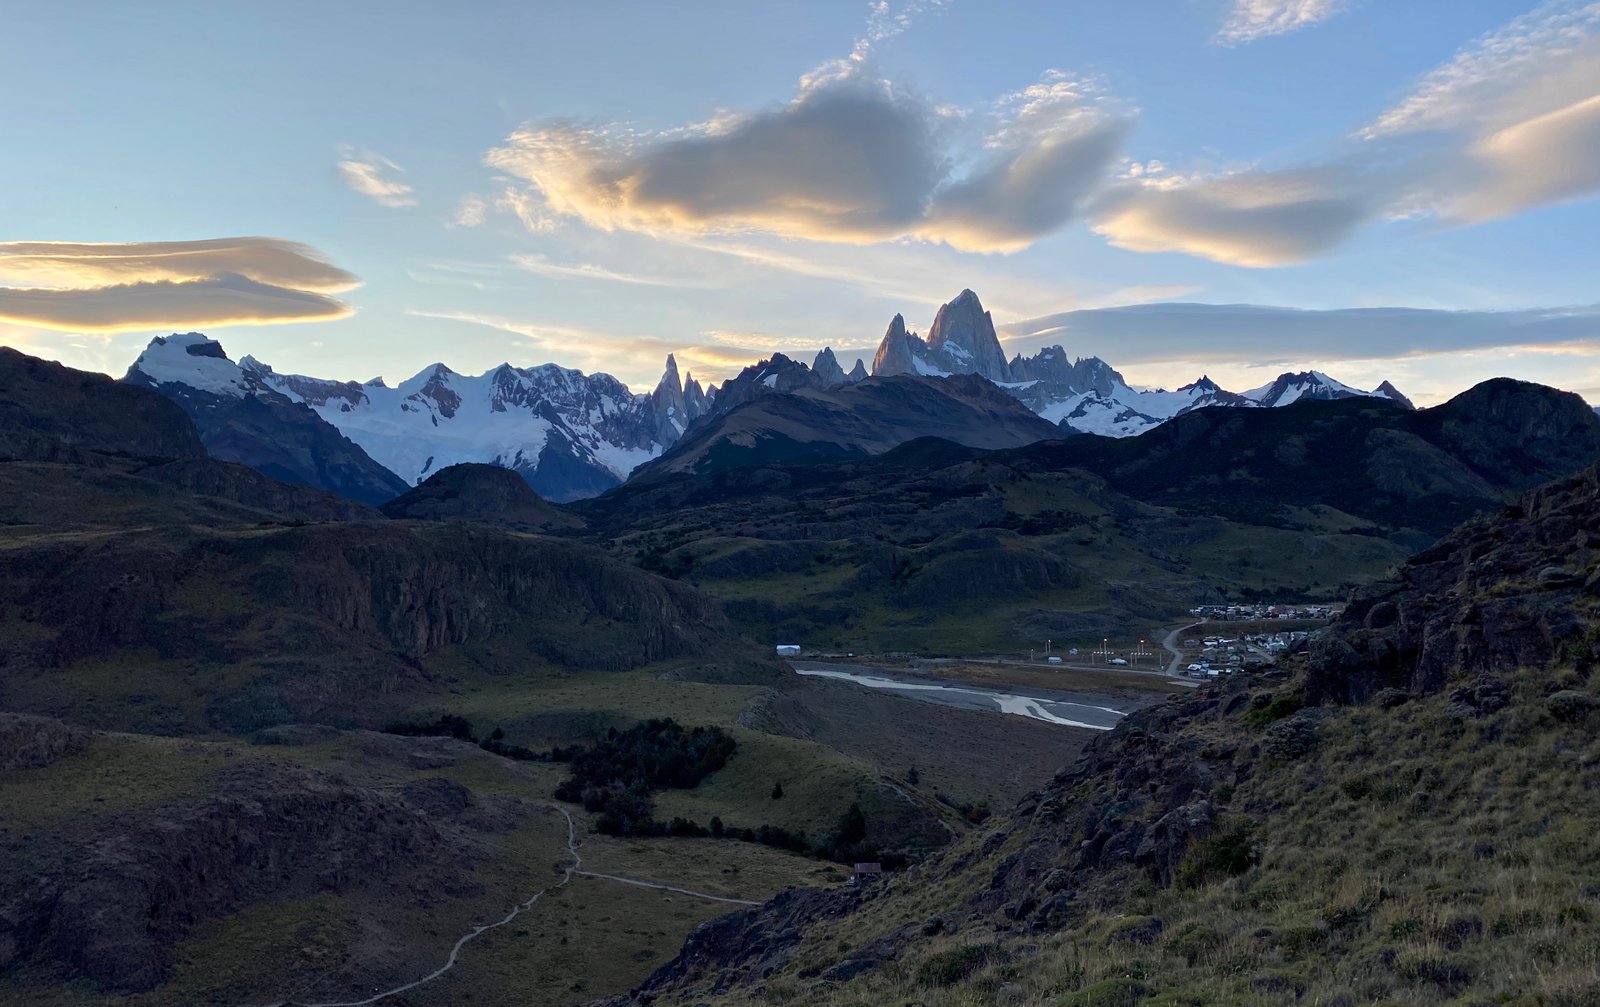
point(896, 353)
point(827, 368)
point(858, 372)
point(964, 334)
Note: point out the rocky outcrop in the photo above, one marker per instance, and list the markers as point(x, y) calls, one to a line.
point(484, 493)
point(826, 368)
point(35, 742)
point(1516, 589)
point(124, 896)
point(897, 351)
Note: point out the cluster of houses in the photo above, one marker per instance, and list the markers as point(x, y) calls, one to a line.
point(1255, 613)
point(1220, 655)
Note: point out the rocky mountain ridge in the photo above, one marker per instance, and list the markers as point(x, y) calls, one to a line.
point(572, 435)
point(1085, 395)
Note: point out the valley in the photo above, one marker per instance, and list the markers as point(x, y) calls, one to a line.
point(264, 744)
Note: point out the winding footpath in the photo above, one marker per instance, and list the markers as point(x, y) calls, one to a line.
point(574, 869)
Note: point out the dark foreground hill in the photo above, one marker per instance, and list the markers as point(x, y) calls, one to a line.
point(1405, 815)
point(935, 546)
point(180, 593)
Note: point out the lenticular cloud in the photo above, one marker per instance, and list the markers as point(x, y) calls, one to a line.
point(133, 286)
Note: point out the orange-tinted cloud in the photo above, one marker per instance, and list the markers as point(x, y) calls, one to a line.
point(126, 287)
point(850, 159)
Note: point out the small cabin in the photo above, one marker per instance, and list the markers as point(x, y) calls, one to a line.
point(788, 650)
point(861, 873)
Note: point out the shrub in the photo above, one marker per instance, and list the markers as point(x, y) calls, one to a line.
point(1275, 709)
point(447, 726)
point(1226, 853)
point(950, 967)
point(1569, 705)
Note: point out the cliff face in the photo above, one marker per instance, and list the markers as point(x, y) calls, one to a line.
point(111, 903)
point(327, 622)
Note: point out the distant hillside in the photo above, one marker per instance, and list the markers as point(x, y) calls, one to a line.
point(52, 413)
point(940, 547)
point(1427, 469)
point(862, 418)
point(487, 494)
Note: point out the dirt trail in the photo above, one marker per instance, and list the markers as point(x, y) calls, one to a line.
point(574, 869)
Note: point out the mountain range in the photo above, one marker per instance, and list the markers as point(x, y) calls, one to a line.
point(572, 435)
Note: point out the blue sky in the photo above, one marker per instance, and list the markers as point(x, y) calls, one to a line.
point(600, 185)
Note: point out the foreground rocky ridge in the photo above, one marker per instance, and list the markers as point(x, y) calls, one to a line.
point(1328, 832)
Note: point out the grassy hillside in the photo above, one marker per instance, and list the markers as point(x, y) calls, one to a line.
point(1401, 817)
point(921, 551)
point(939, 548)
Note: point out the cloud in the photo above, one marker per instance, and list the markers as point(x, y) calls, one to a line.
point(228, 299)
point(471, 211)
point(1550, 158)
point(540, 266)
point(80, 287)
point(849, 159)
point(1055, 144)
point(1255, 19)
point(598, 351)
point(70, 264)
point(1252, 218)
point(1491, 81)
point(1234, 332)
point(365, 171)
point(1511, 123)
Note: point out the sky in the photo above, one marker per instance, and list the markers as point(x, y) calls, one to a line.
point(1380, 190)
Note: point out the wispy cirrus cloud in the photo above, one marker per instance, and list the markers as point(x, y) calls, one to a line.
point(1250, 20)
point(597, 350)
point(1510, 124)
point(371, 174)
point(541, 266)
point(135, 286)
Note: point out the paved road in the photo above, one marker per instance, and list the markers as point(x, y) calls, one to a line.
point(1068, 709)
point(574, 869)
point(1171, 642)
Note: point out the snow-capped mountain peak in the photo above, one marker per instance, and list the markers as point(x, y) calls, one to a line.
point(1087, 394)
point(569, 434)
point(193, 360)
